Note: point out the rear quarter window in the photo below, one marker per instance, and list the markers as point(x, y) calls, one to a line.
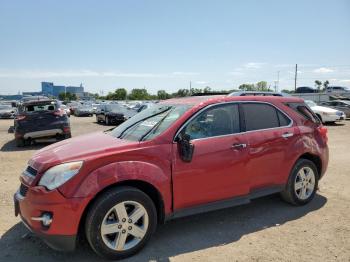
point(303, 110)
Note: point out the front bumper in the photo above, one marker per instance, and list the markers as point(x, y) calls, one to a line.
point(61, 234)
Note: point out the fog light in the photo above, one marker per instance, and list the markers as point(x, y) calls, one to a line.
point(46, 219)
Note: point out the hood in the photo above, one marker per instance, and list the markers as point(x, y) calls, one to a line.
point(79, 148)
point(323, 109)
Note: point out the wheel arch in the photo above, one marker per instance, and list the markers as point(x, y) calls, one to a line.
point(315, 159)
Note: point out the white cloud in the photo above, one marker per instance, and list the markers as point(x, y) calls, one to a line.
point(253, 65)
point(236, 73)
point(345, 81)
point(185, 73)
point(323, 70)
point(86, 73)
point(201, 82)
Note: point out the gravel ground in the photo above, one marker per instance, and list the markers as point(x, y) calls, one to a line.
point(265, 230)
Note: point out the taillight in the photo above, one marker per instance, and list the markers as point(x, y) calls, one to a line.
point(323, 132)
point(20, 117)
point(66, 129)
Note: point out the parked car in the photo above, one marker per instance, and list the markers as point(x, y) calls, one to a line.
point(65, 109)
point(177, 158)
point(113, 114)
point(326, 114)
point(341, 105)
point(7, 111)
point(40, 120)
point(337, 89)
point(83, 111)
point(305, 89)
point(257, 93)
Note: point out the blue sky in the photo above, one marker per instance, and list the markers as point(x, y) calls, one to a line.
point(166, 44)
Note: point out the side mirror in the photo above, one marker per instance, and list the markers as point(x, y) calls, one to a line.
point(186, 148)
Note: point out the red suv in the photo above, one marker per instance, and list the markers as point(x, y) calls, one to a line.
point(177, 158)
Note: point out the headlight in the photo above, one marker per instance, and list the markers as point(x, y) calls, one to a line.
point(60, 174)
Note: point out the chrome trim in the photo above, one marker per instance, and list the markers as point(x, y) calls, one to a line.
point(233, 102)
point(286, 135)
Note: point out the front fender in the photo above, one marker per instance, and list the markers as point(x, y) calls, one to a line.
point(118, 172)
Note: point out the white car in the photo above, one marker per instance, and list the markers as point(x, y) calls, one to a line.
point(326, 114)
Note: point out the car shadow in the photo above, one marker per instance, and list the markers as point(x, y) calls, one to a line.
point(174, 238)
point(10, 146)
point(334, 124)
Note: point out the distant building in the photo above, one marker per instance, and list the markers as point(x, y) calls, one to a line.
point(49, 89)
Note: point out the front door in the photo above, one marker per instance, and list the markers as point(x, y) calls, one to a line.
point(217, 169)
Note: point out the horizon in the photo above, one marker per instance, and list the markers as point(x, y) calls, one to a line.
point(166, 45)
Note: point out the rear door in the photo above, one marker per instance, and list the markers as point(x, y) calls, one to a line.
point(217, 169)
point(270, 137)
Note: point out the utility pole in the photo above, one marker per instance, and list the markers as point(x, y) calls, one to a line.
point(190, 87)
point(296, 77)
point(278, 81)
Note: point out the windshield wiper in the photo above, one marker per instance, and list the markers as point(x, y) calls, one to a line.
point(155, 126)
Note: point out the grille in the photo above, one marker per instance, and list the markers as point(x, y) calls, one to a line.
point(31, 171)
point(23, 189)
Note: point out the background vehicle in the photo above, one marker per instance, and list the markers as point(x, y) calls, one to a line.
point(326, 114)
point(7, 111)
point(83, 110)
point(40, 120)
point(305, 89)
point(341, 105)
point(113, 114)
point(65, 109)
point(337, 89)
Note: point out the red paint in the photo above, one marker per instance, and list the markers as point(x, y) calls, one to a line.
point(216, 171)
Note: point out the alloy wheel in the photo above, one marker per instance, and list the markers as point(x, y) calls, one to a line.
point(304, 184)
point(124, 225)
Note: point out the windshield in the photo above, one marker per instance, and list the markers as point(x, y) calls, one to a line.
point(310, 103)
point(149, 123)
point(114, 108)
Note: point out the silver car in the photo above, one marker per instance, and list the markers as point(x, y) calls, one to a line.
point(341, 105)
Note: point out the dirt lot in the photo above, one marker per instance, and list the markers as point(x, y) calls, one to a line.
point(265, 230)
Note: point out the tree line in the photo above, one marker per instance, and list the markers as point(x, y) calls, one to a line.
point(142, 93)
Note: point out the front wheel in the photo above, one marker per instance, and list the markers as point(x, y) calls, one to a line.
point(120, 222)
point(302, 183)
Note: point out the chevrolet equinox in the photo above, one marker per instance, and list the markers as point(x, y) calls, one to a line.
point(177, 158)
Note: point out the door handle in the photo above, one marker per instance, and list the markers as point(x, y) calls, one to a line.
point(238, 146)
point(286, 135)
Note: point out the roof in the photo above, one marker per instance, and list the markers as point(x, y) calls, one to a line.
point(37, 102)
point(206, 100)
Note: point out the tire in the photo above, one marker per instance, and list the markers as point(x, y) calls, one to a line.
point(107, 121)
point(19, 142)
point(102, 210)
point(304, 175)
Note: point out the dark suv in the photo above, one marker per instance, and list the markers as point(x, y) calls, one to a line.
point(39, 120)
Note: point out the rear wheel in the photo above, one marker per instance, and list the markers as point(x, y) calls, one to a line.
point(302, 183)
point(120, 222)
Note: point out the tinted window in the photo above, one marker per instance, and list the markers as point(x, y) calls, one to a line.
point(260, 116)
point(283, 119)
point(215, 121)
point(303, 110)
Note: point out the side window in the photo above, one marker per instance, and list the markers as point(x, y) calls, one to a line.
point(303, 110)
point(260, 116)
point(216, 121)
point(283, 120)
